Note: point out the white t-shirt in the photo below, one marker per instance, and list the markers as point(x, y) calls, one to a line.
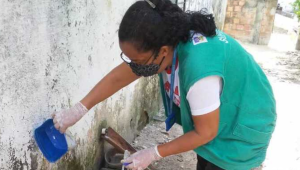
point(203, 96)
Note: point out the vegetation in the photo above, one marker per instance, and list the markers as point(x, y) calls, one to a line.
point(296, 6)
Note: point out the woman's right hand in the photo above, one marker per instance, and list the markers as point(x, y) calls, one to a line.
point(118, 78)
point(66, 118)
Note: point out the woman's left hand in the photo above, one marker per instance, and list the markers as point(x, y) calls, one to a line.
point(142, 159)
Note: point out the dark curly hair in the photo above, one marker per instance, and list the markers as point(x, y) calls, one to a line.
point(148, 28)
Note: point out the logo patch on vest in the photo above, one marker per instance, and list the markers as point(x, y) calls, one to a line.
point(222, 37)
point(199, 38)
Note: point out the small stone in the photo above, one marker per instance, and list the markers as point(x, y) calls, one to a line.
point(164, 132)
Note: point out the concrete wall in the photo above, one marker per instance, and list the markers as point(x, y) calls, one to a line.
point(217, 7)
point(250, 20)
point(51, 54)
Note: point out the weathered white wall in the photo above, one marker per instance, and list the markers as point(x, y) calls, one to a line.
point(217, 7)
point(197, 5)
point(52, 52)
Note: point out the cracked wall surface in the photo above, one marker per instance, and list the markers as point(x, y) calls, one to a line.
point(216, 7)
point(51, 54)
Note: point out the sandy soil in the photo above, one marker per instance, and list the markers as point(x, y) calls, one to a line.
point(155, 134)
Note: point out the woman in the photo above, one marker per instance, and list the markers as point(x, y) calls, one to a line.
point(221, 97)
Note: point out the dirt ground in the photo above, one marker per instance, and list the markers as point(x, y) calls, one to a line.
point(282, 66)
point(155, 134)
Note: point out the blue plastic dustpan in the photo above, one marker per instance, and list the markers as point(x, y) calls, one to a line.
point(51, 142)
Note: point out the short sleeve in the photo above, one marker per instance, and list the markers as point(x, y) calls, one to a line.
point(204, 95)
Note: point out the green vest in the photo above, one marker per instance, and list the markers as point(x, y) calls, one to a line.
point(247, 111)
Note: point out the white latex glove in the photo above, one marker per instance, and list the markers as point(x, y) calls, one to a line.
point(66, 118)
point(142, 159)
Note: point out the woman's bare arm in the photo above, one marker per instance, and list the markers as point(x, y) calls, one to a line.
point(206, 129)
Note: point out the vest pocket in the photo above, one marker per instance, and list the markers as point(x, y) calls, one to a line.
point(251, 135)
